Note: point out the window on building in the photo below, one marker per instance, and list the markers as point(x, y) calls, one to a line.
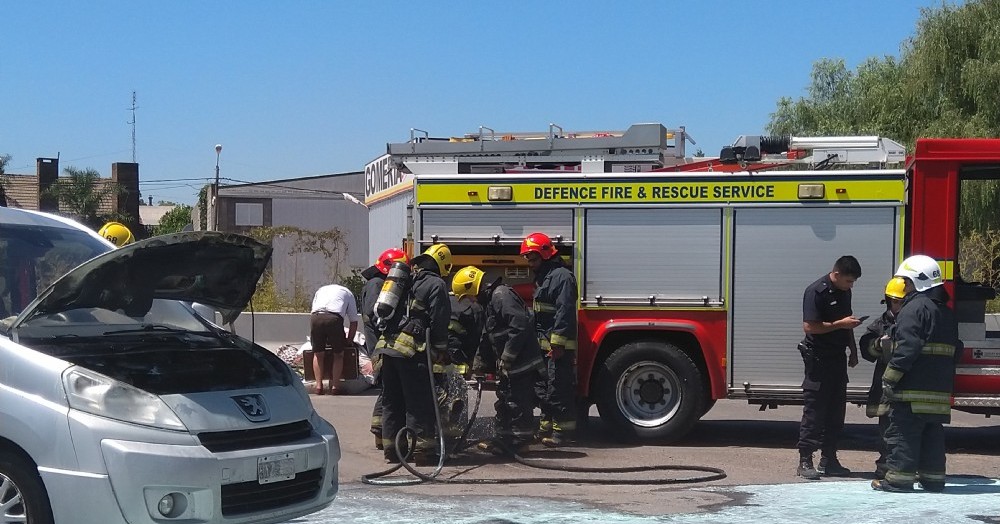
point(250, 214)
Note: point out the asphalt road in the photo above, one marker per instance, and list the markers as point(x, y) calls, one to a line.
point(754, 448)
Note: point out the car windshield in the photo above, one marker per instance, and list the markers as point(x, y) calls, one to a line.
point(33, 257)
point(165, 317)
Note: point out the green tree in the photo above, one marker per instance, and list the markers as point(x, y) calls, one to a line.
point(82, 193)
point(944, 84)
point(4, 160)
point(174, 220)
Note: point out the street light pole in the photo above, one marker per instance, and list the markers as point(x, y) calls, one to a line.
point(215, 192)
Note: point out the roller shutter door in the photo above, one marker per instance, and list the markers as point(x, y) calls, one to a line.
point(664, 252)
point(777, 253)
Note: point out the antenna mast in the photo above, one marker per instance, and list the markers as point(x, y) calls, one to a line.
point(132, 123)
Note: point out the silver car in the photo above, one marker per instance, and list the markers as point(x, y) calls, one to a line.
point(120, 404)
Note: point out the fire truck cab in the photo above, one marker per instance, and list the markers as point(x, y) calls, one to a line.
point(691, 271)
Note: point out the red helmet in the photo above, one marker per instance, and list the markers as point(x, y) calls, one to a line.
point(386, 259)
point(539, 243)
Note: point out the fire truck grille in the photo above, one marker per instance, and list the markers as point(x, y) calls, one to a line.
point(255, 438)
point(246, 497)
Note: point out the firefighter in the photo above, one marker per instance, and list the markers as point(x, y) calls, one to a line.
point(555, 310)
point(828, 323)
point(374, 278)
point(117, 234)
point(407, 392)
point(918, 380)
point(509, 334)
point(464, 332)
point(875, 346)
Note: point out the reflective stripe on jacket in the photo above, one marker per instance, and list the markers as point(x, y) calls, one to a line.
point(427, 307)
point(925, 349)
point(554, 304)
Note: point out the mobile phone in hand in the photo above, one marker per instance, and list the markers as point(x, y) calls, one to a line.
point(864, 318)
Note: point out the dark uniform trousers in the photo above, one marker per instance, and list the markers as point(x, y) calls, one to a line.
point(369, 295)
point(916, 444)
point(555, 388)
point(917, 390)
point(407, 400)
point(515, 408)
point(824, 407)
point(872, 351)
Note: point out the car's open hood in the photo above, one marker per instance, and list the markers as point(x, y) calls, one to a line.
point(217, 269)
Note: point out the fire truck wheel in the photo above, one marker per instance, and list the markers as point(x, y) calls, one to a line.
point(650, 390)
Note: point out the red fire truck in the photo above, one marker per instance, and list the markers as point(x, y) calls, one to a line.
point(691, 270)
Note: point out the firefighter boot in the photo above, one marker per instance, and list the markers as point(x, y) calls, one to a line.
point(558, 439)
point(426, 458)
point(831, 467)
point(806, 469)
point(885, 485)
point(502, 448)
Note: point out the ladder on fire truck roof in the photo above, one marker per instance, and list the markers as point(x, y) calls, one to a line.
point(650, 144)
point(642, 147)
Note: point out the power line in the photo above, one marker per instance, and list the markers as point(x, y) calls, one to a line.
point(293, 188)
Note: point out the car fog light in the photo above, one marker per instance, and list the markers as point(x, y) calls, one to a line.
point(173, 505)
point(166, 505)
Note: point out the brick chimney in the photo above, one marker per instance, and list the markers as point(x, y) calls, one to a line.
point(47, 170)
point(126, 175)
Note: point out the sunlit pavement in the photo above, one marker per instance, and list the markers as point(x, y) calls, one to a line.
point(966, 499)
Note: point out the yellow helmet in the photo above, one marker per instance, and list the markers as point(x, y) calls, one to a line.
point(466, 281)
point(442, 255)
point(116, 233)
point(896, 287)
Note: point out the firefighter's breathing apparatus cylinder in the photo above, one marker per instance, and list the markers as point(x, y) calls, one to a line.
point(397, 283)
point(406, 439)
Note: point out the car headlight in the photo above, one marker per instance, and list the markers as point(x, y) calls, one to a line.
point(103, 396)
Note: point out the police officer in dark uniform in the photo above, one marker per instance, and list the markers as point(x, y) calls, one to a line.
point(918, 380)
point(828, 322)
point(374, 277)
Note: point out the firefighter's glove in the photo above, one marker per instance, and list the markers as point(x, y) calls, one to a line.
point(481, 366)
point(441, 358)
point(888, 391)
point(556, 351)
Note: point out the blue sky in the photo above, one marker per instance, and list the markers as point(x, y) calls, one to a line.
point(303, 88)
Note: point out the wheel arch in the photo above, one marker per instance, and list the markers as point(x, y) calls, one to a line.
point(683, 334)
point(12, 447)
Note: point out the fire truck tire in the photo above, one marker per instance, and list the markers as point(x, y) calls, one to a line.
point(650, 390)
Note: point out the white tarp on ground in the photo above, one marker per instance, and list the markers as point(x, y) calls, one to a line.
point(965, 500)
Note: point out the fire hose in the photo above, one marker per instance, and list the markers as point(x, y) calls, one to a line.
point(408, 436)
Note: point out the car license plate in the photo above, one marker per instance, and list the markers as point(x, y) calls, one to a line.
point(275, 468)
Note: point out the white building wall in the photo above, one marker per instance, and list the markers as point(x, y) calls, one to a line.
point(311, 270)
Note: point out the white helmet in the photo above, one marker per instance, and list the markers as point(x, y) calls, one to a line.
point(922, 270)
